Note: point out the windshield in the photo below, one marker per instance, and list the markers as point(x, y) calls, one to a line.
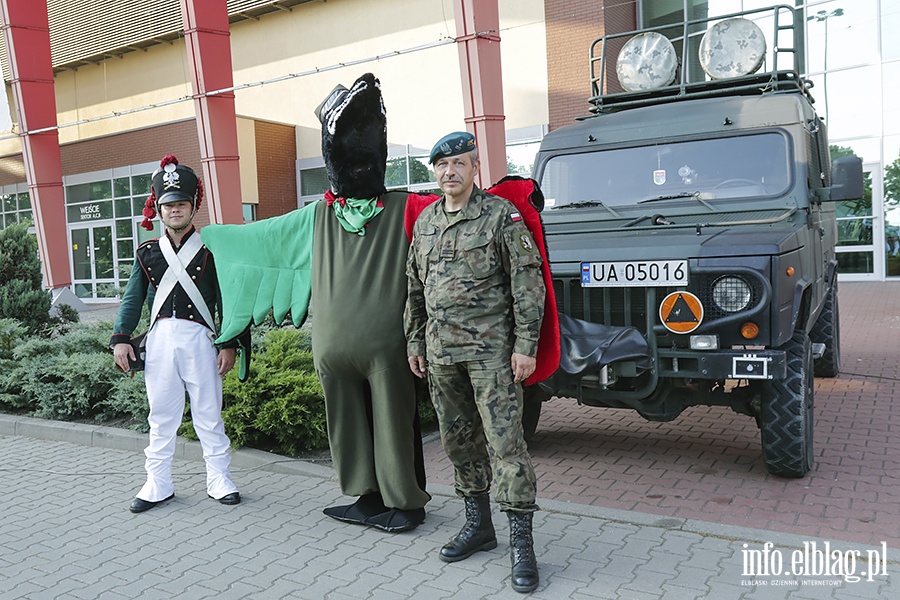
point(732, 167)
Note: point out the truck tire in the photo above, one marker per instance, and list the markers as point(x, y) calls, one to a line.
point(533, 398)
point(827, 330)
point(786, 413)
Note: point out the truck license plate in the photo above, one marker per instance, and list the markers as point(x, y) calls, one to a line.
point(634, 273)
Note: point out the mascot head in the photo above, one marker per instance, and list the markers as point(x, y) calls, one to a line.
point(354, 139)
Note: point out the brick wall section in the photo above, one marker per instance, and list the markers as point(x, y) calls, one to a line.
point(276, 159)
point(121, 150)
point(572, 25)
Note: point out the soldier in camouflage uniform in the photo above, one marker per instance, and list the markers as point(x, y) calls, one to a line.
point(473, 316)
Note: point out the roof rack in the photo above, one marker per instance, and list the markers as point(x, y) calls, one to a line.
point(778, 70)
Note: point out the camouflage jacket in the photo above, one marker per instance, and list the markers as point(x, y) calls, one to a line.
point(475, 284)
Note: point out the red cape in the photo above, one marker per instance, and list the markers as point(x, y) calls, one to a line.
point(523, 193)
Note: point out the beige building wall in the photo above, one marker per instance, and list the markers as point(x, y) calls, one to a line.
point(422, 89)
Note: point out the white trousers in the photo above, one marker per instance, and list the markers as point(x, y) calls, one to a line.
point(181, 355)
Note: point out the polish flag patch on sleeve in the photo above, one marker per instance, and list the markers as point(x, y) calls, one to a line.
point(515, 217)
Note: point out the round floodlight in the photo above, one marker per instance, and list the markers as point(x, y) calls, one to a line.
point(646, 61)
point(731, 293)
point(732, 48)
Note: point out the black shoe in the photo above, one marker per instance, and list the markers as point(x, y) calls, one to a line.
point(397, 520)
point(525, 576)
point(477, 533)
point(365, 507)
point(232, 498)
point(139, 506)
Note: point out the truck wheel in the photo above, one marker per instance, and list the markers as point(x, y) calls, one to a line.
point(533, 397)
point(827, 330)
point(786, 413)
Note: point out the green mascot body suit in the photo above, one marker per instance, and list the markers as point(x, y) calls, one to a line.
point(348, 254)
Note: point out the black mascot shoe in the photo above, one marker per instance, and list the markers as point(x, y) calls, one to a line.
point(139, 506)
point(232, 498)
point(365, 507)
point(397, 520)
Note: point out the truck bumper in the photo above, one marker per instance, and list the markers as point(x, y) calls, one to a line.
point(722, 364)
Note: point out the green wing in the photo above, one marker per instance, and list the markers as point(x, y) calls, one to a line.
point(263, 266)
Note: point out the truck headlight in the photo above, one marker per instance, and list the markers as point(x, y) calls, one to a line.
point(731, 293)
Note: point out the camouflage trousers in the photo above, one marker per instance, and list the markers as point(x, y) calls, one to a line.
point(479, 410)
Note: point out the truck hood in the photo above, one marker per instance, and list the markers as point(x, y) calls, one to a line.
point(734, 234)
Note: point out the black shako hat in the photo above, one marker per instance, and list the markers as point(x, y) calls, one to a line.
point(174, 182)
point(354, 138)
point(458, 142)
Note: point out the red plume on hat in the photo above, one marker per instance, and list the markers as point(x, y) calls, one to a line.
point(149, 211)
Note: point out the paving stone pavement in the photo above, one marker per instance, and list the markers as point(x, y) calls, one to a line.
point(630, 510)
point(66, 533)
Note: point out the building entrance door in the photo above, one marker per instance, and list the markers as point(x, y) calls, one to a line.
point(93, 267)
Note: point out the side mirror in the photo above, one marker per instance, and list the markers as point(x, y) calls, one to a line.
point(847, 178)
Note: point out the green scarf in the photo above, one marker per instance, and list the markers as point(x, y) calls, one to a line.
point(354, 213)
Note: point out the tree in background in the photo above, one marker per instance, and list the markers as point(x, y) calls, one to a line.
point(21, 295)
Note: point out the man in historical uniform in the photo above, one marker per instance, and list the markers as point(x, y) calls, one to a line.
point(473, 321)
point(177, 276)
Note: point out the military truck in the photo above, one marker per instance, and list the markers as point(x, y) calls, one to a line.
point(690, 223)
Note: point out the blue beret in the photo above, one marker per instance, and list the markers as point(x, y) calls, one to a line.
point(458, 142)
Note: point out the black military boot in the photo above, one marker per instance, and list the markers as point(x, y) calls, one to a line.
point(521, 550)
point(477, 534)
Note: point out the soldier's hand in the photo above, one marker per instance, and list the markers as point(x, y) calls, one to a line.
point(121, 354)
point(417, 366)
point(225, 360)
point(522, 366)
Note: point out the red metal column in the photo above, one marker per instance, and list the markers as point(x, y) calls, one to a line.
point(477, 26)
point(208, 41)
point(27, 33)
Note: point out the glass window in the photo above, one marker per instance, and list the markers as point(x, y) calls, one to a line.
point(854, 232)
point(520, 158)
point(106, 290)
point(707, 168)
point(92, 211)
point(890, 92)
point(85, 192)
point(124, 249)
point(140, 185)
point(122, 207)
point(848, 113)
point(841, 33)
point(249, 212)
point(124, 228)
point(855, 262)
point(84, 290)
point(892, 213)
point(121, 187)
point(890, 24)
point(24, 200)
point(125, 267)
point(395, 174)
point(9, 203)
point(313, 182)
point(420, 171)
point(144, 235)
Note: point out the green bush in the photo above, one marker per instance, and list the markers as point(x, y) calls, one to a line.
point(21, 295)
point(71, 376)
point(281, 408)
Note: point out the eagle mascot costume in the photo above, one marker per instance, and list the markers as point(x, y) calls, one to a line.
point(345, 257)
